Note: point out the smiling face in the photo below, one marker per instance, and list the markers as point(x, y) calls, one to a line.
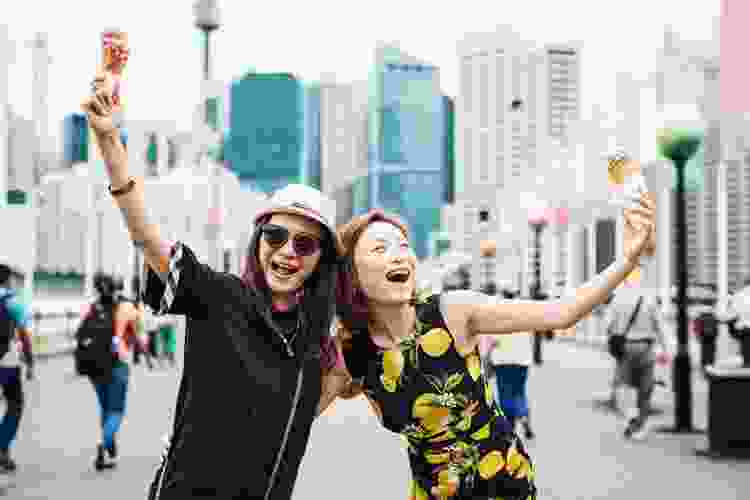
point(288, 253)
point(385, 264)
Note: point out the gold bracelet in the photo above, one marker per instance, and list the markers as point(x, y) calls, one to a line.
point(123, 190)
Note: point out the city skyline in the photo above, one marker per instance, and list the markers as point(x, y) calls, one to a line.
point(74, 52)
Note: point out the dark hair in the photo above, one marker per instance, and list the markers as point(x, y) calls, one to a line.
point(353, 311)
point(319, 292)
point(5, 274)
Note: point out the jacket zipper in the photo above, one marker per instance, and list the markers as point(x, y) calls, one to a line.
point(163, 469)
point(295, 403)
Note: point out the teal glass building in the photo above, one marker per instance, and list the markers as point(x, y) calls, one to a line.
point(265, 147)
point(408, 133)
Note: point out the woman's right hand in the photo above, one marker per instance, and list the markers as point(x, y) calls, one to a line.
point(98, 106)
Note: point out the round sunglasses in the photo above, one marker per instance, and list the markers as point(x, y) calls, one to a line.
point(277, 236)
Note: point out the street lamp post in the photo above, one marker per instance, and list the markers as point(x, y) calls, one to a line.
point(207, 19)
point(537, 223)
point(679, 147)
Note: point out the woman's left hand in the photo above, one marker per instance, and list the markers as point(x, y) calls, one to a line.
point(640, 233)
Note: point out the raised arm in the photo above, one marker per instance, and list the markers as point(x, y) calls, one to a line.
point(539, 316)
point(126, 190)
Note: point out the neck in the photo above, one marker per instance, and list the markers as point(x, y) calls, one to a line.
point(394, 320)
point(284, 302)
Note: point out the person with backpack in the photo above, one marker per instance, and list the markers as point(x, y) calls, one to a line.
point(509, 358)
point(258, 351)
point(168, 336)
point(104, 342)
point(15, 347)
point(634, 326)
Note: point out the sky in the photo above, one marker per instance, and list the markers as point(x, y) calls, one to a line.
point(324, 37)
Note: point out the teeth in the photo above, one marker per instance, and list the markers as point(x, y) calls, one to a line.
point(400, 276)
point(282, 269)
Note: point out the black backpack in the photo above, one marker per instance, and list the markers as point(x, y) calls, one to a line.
point(94, 355)
point(7, 326)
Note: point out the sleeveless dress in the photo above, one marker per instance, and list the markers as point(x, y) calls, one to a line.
point(440, 402)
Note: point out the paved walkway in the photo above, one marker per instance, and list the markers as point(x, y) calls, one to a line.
point(579, 450)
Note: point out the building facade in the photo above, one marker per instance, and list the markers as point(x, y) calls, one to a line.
point(343, 143)
point(518, 102)
point(312, 138)
point(690, 73)
point(407, 135)
point(266, 145)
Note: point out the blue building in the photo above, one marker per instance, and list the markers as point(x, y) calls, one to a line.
point(75, 139)
point(407, 144)
point(266, 143)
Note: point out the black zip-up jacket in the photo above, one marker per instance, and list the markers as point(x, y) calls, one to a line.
point(245, 405)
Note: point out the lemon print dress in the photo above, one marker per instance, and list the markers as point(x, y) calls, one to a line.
point(440, 402)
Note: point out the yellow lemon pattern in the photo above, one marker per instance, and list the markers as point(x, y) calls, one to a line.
point(492, 463)
point(474, 366)
point(393, 366)
point(435, 342)
point(431, 390)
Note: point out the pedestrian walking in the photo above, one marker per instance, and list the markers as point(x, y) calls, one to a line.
point(258, 349)
point(15, 349)
point(168, 340)
point(509, 357)
point(153, 352)
point(634, 327)
point(104, 344)
point(417, 359)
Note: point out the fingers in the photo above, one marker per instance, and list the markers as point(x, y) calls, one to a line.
point(647, 201)
point(639, 219)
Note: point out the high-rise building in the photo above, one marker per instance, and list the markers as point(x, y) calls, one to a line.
point(75, 139)
point(312, 137)
point(266, 144)
point(343, 147)
point(501, 112)
point(22, 153)
point(690, 70)
point(407, 168)
point(563, 79)
point(517, 102)
point(451, 176)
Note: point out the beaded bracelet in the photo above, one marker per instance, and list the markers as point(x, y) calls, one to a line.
point(123, 190)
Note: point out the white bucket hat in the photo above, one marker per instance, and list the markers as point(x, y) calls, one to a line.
point(298, 199)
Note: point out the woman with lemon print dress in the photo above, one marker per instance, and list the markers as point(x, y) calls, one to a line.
point(416, 359)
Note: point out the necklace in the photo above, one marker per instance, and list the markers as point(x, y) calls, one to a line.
point(293, 333)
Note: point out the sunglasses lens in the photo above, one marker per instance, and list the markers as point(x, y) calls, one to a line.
point(275, 235)
point(305, 245)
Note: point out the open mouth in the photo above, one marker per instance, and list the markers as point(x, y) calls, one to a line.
point(284, 270)
point(398, 275)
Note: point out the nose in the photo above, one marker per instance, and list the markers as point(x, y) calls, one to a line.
point(288, 248)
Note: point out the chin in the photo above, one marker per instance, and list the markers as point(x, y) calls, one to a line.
point(281, 288)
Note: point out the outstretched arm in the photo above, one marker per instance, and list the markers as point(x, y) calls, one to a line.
point(100, 108)
point(516, 316)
